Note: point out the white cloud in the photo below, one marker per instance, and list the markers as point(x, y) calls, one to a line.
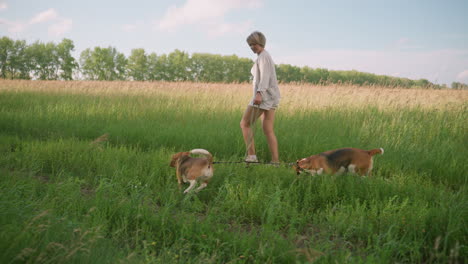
point(205, 12)
point(133, 27)
point(3, 5)
point(462, 76)
point(222, 29)
point(129, 27)
point(45, 16)
point(13, 26)
point(60, 28)
point(403, 41)
point(404, 44)
point(16, 27)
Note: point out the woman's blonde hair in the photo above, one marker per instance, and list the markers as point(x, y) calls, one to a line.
point(256, 37)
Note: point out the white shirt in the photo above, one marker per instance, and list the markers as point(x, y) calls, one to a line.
point(265, 82)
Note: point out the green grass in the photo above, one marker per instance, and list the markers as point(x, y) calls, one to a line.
point(64, 200)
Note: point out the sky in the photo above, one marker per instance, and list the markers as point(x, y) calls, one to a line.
point(404, 38)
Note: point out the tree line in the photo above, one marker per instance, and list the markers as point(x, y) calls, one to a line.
point(44, 61)
point(50, 61)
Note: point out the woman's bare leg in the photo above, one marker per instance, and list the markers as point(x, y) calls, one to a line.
point(251, 114)
point(268, 125)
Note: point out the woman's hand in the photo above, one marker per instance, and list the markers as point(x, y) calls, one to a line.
point(257, 99)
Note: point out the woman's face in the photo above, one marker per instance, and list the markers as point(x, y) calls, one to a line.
point(256, 48)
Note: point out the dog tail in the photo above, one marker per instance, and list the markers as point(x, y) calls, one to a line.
point(203, 152)
point(372, 152)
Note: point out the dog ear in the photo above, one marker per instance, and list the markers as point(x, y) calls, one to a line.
point(173, 161)
point(176, 157)
point(296, 167)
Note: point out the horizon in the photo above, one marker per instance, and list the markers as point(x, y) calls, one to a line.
point(417, 40)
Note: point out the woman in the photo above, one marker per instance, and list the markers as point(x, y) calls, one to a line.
point(265, 99)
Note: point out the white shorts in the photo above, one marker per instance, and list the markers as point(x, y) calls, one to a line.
point(265, 105)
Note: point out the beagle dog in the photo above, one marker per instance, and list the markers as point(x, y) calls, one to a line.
point(338, 161)
point(193, 169)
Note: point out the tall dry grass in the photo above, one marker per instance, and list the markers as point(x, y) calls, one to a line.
point(235, 96)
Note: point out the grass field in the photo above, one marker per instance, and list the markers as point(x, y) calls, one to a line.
point(65, 200)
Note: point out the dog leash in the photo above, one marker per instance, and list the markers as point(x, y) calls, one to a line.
point(257, 162)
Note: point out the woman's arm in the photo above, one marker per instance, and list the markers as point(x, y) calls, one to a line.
point(265, 69)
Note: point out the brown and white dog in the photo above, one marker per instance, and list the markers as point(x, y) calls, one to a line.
point(338, 161)
point(193, 169)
